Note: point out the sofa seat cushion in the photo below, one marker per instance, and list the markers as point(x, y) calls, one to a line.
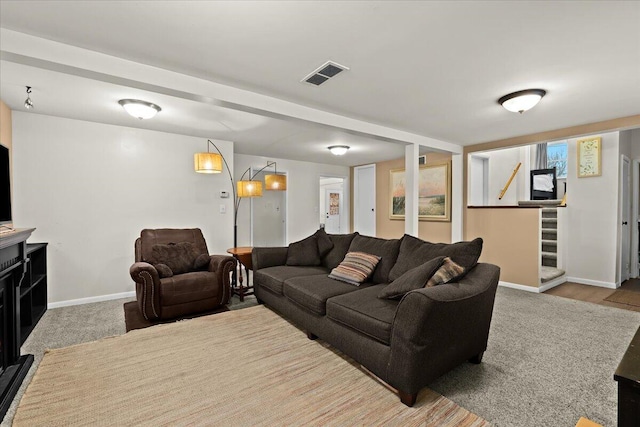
point(272, 278)
point(188, 287)
point(312, 292)
point(365, 312)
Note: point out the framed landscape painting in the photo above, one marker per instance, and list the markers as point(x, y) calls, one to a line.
point(434, 193)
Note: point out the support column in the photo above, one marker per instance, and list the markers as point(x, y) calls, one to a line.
point(457, 199)
point(412, 171)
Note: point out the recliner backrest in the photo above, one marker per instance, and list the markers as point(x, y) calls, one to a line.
point(164, 236)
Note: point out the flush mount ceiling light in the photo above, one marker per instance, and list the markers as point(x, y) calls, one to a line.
point(338, 150)
point(521, 101)
point(139, 109)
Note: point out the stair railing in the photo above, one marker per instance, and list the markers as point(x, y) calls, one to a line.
point(506, 187)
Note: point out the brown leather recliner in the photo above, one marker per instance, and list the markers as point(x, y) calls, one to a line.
point(182, 294)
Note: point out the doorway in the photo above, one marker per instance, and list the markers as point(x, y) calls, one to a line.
point(332, 208)
point(268, 216)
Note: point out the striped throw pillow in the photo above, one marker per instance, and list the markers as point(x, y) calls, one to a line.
point(448, 271)
point(355, 268)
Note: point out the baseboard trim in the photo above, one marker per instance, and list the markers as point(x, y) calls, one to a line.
point(89, 300)
point(608, 285)
point(519, 287)
point(552, 283)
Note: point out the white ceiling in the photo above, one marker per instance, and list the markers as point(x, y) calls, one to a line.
point(432, 68)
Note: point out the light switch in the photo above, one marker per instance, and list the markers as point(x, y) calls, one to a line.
point(223, 209)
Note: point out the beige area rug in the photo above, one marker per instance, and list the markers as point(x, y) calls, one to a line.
point(247, 367)
point(622, 296)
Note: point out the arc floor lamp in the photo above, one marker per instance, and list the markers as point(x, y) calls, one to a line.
point(213, 163)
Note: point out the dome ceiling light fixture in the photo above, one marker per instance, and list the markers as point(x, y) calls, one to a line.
point(523, 100)
point(338, 150)
point(140, 109)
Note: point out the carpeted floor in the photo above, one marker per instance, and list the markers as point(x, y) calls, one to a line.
point(550, 360)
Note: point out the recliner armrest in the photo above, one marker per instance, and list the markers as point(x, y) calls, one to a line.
point(223, 265)
point(147, 289)
point(268, 257)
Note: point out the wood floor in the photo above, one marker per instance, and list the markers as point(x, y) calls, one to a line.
point(595, 294)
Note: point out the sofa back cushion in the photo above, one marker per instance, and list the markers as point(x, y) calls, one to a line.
point(414, 252)
point(336, 254)
point(304, 253)
point(416, 278)
point(386, 249)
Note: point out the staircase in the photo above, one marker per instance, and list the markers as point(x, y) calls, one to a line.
point(549, 238)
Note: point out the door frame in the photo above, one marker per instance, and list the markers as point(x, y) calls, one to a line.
point(342, 218)
point(621, 199)
point(346, 196)
point(634, 271)
point(356, 179)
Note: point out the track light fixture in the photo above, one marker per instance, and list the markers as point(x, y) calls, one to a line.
point(28, 103)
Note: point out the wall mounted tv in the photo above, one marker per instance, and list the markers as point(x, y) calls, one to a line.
point(5, 186)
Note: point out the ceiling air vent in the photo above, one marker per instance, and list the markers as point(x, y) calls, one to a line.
point(323, 73)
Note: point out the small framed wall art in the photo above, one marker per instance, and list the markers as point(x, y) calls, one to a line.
point(589, 157)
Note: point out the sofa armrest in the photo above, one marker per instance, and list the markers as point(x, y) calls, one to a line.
point(147, 289)
point(223, 265)
point(268, 257)
point(436, 329)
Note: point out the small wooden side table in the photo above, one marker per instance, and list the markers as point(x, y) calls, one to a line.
point(243, 255)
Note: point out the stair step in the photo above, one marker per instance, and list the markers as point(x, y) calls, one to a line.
point(550, 231)
point(547, 274)
point(550, 255)
point(549, 220)
point(539, 202)
point(553, 213)
point(550, 242)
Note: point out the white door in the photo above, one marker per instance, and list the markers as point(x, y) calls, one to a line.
point(268, 217)
point(332, 211)
point(364, 198)
point(625, 214)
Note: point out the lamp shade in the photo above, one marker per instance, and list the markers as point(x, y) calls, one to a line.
point(249, 188)
point(275, 182)
point(207, 162)
point(519, 102)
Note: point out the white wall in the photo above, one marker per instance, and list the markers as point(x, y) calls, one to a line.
point(635, 143)
point(90, 188)
point(303, 186)
point(592, 209)
point(501, 165)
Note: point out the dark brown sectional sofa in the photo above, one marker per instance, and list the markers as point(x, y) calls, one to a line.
point(407, 342)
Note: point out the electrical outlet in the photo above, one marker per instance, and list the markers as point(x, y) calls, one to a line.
point(223, 209)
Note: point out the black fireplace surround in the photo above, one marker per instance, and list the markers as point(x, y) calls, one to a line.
point(23, 301)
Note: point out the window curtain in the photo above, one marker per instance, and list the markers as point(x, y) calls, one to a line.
point(541, 156)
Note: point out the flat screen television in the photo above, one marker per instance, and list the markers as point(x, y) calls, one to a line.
point(5, 186)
